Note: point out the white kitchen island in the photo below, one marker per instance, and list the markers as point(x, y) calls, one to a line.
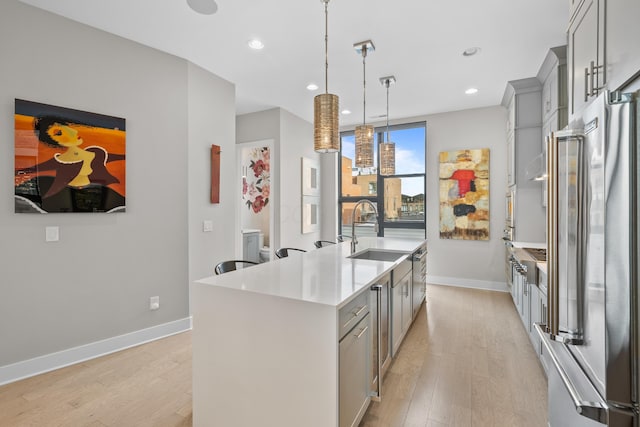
point(265, 339)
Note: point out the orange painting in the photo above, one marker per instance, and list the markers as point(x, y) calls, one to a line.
point(68, 160)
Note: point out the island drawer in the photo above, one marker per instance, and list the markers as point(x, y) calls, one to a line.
point(352, 313)
point(400, 271)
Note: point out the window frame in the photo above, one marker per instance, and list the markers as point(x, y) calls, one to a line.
point(380, 131)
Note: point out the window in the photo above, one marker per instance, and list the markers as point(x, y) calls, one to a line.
point(400, 198)
point(373, 188)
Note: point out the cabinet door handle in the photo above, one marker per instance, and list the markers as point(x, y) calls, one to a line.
point(355, 315)
point(590, 80)
point(586, 84)
point(359, 312)
point(595, 70)
point(361, 332)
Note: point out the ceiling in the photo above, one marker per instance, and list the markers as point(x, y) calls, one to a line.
point(420, 42)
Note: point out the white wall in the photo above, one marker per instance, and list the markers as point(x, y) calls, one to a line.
point(95, 283)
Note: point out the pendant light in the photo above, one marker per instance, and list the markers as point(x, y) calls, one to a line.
point(388, 148)
point(364, 132)
point(326, 137)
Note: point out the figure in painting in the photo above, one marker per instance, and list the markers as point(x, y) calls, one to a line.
point(74, 179)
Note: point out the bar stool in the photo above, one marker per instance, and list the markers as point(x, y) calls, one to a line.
point(321, 243)
point(227, 266)
point(284, 252)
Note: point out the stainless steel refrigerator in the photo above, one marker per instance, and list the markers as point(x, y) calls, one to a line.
point(591, 340)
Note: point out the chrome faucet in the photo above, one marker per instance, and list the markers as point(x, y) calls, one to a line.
point(354, 240)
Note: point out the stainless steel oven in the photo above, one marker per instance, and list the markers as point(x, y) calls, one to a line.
point(509, 215)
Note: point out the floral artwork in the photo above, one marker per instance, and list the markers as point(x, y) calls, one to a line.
point(68, 160)
point(256, 182)
point(464, 194)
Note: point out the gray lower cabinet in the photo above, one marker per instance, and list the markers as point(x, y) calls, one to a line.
point(536, 316)
point(525, 313)
point(401, 307)
point(250, 246)
point(354, 370)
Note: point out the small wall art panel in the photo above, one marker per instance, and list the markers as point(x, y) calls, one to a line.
point(68, 160)
point(464, 194)
point(310, 177)
point(215, 173)
point(310, 195)
point(310, 214)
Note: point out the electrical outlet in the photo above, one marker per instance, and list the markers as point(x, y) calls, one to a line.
point(154, 303)
point(207, 226)
point(52, 234)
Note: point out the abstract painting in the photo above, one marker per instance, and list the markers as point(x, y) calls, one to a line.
point(68, 160)
point(464, 194)
point(256, 179)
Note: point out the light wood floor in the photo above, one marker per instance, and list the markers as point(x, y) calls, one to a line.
point(465, 362)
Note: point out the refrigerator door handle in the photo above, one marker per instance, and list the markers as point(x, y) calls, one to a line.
point(568, 334)
point(597, 411)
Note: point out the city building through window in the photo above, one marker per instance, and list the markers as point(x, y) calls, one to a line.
point(400, 198)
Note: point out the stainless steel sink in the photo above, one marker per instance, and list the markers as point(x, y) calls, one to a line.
point(378, 255)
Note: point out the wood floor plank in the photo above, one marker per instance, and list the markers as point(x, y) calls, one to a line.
point(466, 362)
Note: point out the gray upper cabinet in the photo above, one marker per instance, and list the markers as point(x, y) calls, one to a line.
point(555, 94)
point(522, 98)
point(623, 42)
point(573, 7)
point(587, 68)
point(553, 76)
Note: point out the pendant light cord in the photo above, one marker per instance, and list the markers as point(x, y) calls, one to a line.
point(387, 84)
point(364, 85)
point(326, 46)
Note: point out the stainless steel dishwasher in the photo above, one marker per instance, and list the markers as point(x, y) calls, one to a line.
point(380, 354)
point(419, 266)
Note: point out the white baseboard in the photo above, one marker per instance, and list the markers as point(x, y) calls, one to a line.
point(49, 362)
point(468, 283)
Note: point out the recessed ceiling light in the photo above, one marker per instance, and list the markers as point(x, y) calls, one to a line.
point(345, 112)
point(471, 51)
point(205, 7)
point(312, 86)
point(471, 91)
point(255, 44)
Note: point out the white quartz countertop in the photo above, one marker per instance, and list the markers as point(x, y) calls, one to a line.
point(531, 245)
point(322, 276)
point(542, 266)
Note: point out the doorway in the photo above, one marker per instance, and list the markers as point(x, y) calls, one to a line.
point(255, 163)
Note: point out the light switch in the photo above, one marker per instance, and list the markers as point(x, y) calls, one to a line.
point(52, 234)
point(207, 226)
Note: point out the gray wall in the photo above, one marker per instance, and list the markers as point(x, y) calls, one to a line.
point(211, 120)
point(95, 283)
